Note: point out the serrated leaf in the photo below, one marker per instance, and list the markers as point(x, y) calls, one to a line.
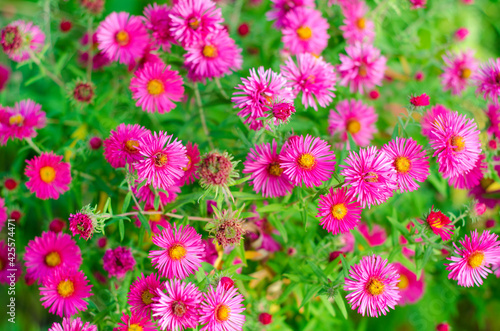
point(340, 303)
point(126, 201)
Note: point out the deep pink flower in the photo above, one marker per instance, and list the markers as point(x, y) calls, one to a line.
point(411, 290)
point(4, 76)
point(158, 22)
point(488, 80)
point(99, 59)
point(375, 235)
point(475, 259)
point(408, 252)
point(374, 286)
point(147, 194)
point(493, 114)
point(122, 145)
point(429, 119)
point(420, 100)
point(458, 71)
point(473, 177)
point(193, 155)
point(357, 27)
point(416, 4)
point(339, 211)
point(461, 34)
point(48, 176)
point(217, 172)
point(72, 324)
point(142, 294)
point(157, 221)
point(117, 262)
point(440, 224)
point(222, 310)
point(362, 68)
point(312, 76)
point(211, 253)
point(81, 224)
point(21, 121)
point(135, 323)
point(279, 9)
point(19, 38)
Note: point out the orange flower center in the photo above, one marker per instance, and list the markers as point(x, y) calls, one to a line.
point(339, 211)
point(353, 126)
point(361, 23)
point(274, 169)
point(188, 166)
point(194, 23)
point(160, 159)
point(122, 38)
point(402, 164)
point(179, 309)
point(223, 313)
point(375, 287)
point(53, 259)
point(306, 161)
point(131, 146)
point(17, 119)
point(465, 73)
point(65, 288)
point(458, 143)
point(403, 282)
point(147, 297)
point(362, 71)
point(155, 217)
point(155, 87)
point(475, 259)
point(48, 174)
point(209, 51)
point(135, 327)
point(371, 177)
point(304, 32)
point(177, 252)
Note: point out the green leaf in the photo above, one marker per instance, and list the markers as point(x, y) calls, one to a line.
point(200, 275)
point(310, 294)
point(107, 207)
point(241, 252)
point(395, 132)
point(345, 266)
point(352, 145)
point(121, 228)
point(279, 226)
point(270, 208)
point(126, 201)
point(144, 222)
point(427, 255)
point(340, 303)
point(328, 305)
point(317, 271)
point(157, 202)
point(287, 292)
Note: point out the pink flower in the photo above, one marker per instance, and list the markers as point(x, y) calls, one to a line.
point(217, 172)
point(420, 100)
point(177, 309)
point(122, 37)
point(19, 38)
point(357, 28)
point(70, 324)
point(155, 88)
point(193, 155)
point(64, 292)
point(117, 262)
point(148, 56)
point(147, 194)
point(49, 177)
point(222, 310)
point(339, 211)
point(212, 56)
point(99, 59)
point(308, 161)
point(411, 290)
point(211, 253)
point(193, 20)
point(472, 178)
point(371, 176)
point(474, 259)
point(375, 235)
point(312, 76)
point(4, 76)
point(122, 146)
point(135, 322)
point(374, 286)
point(3, 213)
point(81, 224)
point(266, 231)
point(305, 31)
point(354, 117)
point(279, 9)
point(493, 114)
point(461, 34)
point(142, 294)
point(429, 119)
point(181, 254)
point(163, 160)
point(158, 22)
point(456, 144)
point(488, 80)
point(458, 71)
point(362, 68)
point(440, 224)
point(416, 4)
point(21, 121)
point(266, 173)
point(409, 161)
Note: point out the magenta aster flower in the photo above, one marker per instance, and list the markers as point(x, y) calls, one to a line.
point(122, 37)
point(473, 177)
point(147, 194)
point(122, 145)
point(213, 56)
point(155, 88)
point(416, 4)
point(362, 68)
point(217, 172)
point(64, 292)
point(158, 22)
point(193, 155)
point(117, 262)
point(305, 31)
point(177, 309)
point(456, 144)
point(222, 310)
point(136, 323)
point(458, 71)
point(312, 76)
point(19, 38)
point(357, 27)
point(21, 121)
point(356, 118)
point(279, 9)
point(420, 100)
point(70, 324)
point(257, 93)
point(81, 224)
point(4, 76)
point(429, 119)
point(48, 176)
point(142, 293)
point(374, 286)
point(193, 20)
point(488, 80)
point(99, 59)
point(266, 173)
point(411, 290)
point(308, 161)
point(181, 254)
point(493, 114)
point(149, 55)
point(474, 259)
point(371, 176)
point(409, 161)
point(339, 211)
point(375, 235)
point(440, 224)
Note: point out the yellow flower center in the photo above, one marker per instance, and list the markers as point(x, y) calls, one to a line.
point(209, 51)
point(465, 73)
point(155, 87)
point(274, 169)
point(476, 259)
point(122, 38)
point(304, 32)
point(147, 297)
point(362, 71)
point(371, 177)
point(135, 327)
point(375, 287)
point(353, 126)
point(339, 211)
point(65, 288)
point(403, 282)
point(53, 259)
point(48, 174)
point(177, 252)
point(306, 161)
point(131, 146)
point(188, 166)
point(160, 159)
point(194, 23)
point(223, 313)
point(17, 119)
point(402, 164)
point(361, 23)
point(179, 309)
point(154, 217)
point(458, 143)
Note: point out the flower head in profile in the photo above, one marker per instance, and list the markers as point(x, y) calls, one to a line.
point(158, 22)
point(222, 309)
point(227, 227)
point(193, 155)
point(305, 31)
point(279, 9)
point(374, 286)
point(64, 292)
point(266, 173)
point(122, 37)
point(307, 160)
point(21, 121)
point(362, 68)
point(72, 324)
point(487, 80)
point(339, 210)
point(458, 71)
point(143, 293)
point(156, 87)
point(86, 222)
point(440, 224)
point(312, 76)
point(429, 119)
point(48, 176)
point(122, 145)
point(472, 178)
point(176, 308)
point(117, 262)
point(356, 118)
point(281, 111)
point(181, 251)
point(357, 28)
point(217, 172)
point(411, 289)
point(475, 258)
point(420, 100)
point(370, 175)
point(19, 38)
point(132, 322)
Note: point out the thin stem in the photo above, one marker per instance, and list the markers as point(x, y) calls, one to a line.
point(219, 86)
point(133, 197)
point(90, 60)
point(191, 218)
point(33, 145)
point(202, 115)
point(37, 61)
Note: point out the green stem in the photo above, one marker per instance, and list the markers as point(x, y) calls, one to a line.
point(202, 115)
point(33, 145)
point(37, 61)
point(90, 61)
